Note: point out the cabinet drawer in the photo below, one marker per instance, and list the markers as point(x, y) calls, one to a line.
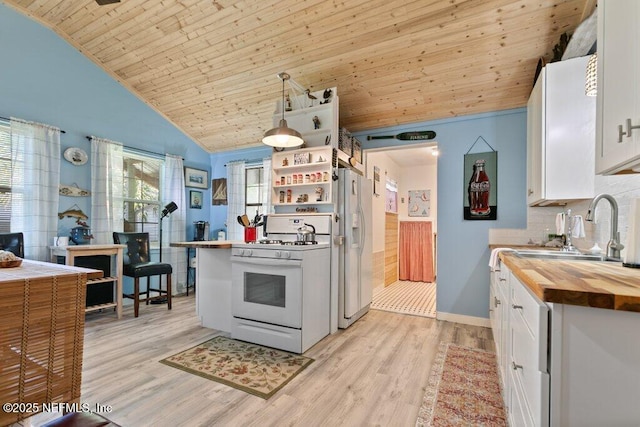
point(532, 389)
point(519, 413)
point(531, 317)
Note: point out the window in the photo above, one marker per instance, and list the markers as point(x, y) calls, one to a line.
point(5, 177)
point(255, 190)
point(141, 196)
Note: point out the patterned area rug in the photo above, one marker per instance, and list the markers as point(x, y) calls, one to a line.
point(463, 390)
point(416, 298)
point(258, 370)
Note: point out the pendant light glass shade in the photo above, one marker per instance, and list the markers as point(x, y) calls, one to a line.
point(283, 136)
point(591, 78)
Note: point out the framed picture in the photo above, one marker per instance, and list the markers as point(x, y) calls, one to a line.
point(195, 199)
point(480, 192)
point(391, 203)
point(196, 178)
point(419, 203)
point(376, 180)
point(219, 191)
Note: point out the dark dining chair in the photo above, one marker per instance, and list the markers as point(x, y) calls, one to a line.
point(12, 242)
point(136, 263)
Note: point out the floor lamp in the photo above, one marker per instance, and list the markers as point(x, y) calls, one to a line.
point(171, 207)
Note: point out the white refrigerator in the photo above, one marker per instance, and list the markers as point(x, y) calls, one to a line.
point(355, 251)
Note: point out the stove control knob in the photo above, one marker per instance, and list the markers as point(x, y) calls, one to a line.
point(286, 254)
point(277, 254)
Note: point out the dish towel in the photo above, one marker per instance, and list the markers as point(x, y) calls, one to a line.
point(560, 224)
point(493, 259)
point(577, 226)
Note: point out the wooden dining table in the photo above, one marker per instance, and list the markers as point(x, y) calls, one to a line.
point(42, 310)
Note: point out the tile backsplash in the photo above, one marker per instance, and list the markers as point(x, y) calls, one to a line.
point(623, 187)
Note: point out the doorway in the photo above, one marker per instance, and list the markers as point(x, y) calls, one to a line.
point(404, 173)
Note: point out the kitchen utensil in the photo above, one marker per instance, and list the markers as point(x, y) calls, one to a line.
point(306, 235)
point(240, 221)
point(245, 221)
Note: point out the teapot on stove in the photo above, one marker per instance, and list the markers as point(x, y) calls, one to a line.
point(306, 235)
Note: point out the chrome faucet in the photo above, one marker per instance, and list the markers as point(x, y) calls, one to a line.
point(568, 246)
point(613, 246)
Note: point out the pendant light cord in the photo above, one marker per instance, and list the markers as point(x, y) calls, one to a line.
point(282, 106)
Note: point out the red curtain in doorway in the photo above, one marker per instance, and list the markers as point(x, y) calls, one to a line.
point(416, 251)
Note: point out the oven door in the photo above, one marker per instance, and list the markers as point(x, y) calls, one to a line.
point(267, 290)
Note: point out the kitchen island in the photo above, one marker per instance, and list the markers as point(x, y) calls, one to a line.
point(213, 278)
point(566, 338)
point(42, 313)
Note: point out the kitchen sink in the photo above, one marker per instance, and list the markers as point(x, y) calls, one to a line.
point(559, 255)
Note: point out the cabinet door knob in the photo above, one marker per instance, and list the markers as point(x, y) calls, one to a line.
point(529, 192)
point(515, 367)
point(516, 306)
point(496, 301)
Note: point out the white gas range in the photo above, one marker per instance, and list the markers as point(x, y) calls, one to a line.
point(281, 288)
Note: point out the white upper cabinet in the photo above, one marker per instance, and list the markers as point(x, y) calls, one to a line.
point(618, 105)
point(560, 135)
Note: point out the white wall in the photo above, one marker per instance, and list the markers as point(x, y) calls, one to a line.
point(388, 168)
point(624, 188)
point(418, 178)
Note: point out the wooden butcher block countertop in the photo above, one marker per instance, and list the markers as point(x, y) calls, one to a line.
point(600, 284)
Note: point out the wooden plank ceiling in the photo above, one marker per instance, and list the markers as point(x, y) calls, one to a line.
point(210, 66)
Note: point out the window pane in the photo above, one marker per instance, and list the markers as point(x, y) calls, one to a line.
point(5, 211)
point(5, 178)
point(142, 194)
point(254, 184)
point(254, 176)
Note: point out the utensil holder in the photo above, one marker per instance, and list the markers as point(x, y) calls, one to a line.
point(250, 234)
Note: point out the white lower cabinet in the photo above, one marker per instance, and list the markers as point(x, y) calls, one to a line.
point(499, 317)
point(564, 365)
point(528, 326)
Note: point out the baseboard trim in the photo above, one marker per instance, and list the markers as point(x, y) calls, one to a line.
point(461, 318)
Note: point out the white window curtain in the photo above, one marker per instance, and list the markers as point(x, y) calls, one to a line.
point(236, 199)
point(35, 159)
point(174, 226)
point(106, 190)
point(266, 191)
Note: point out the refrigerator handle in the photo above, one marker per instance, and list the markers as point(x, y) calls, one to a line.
point(362, 222)
point(363, 233)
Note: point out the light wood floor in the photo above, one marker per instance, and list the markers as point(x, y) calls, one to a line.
point(373, 373)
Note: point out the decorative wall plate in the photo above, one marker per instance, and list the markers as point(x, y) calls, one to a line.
point(76, 155)
point(73, 190)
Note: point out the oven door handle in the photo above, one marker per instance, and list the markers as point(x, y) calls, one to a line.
point(271, 262)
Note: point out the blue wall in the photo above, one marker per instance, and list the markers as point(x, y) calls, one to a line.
point(44, 79)
point(463, 253)
point(219, 170)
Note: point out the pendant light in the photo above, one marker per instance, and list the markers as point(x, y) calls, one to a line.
point(283, 136)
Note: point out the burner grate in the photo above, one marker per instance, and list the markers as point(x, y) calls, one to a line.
point(299, 243)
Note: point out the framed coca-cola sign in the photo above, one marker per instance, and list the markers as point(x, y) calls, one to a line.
point(481, 186)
